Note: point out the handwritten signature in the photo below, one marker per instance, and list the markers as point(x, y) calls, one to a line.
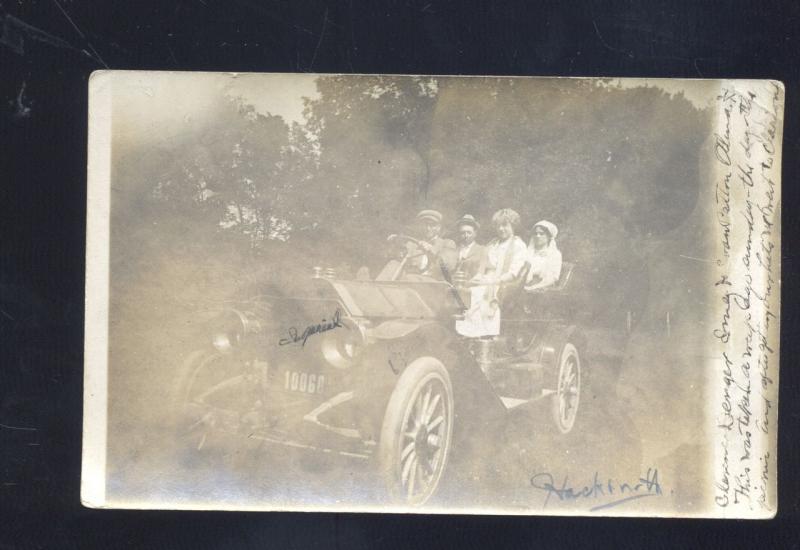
point(647, 486)
point(295, 335)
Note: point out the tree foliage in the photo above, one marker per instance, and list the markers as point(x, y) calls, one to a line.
point(615, 169)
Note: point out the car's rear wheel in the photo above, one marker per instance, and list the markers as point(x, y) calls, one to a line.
point(417, 432)
point(566, 399)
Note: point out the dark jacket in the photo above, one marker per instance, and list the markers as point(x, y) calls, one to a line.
point(474, 262)
point(442, 258)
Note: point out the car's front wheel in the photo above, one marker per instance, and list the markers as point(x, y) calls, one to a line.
point(417, 432)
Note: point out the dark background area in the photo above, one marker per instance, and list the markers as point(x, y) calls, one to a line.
point(47, 51)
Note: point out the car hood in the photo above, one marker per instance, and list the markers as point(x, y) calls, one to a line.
point(381, 299)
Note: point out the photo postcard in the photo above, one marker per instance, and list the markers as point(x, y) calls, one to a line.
point(433, 294)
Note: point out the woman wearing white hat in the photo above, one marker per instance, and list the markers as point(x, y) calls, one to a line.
point(544, 257)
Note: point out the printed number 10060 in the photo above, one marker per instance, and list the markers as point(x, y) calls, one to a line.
point(304, 382)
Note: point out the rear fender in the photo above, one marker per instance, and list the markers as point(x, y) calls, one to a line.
point(555, 340)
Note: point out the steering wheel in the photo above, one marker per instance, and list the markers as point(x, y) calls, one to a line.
point(402, 237)
point(406, 255)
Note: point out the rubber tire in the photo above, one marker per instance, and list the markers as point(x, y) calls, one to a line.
point(389, 449)
point(567, 350)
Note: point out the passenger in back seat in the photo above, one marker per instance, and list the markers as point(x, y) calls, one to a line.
point(505, 258)
point(544, 257)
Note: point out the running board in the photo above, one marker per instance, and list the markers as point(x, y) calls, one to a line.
point(298, 445)
point(335, 401)
point(529, 367)
point(513, 402)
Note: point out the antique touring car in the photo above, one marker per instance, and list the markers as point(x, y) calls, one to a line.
point(374, 369)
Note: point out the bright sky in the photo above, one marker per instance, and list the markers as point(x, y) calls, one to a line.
point(159, 106)
point(701, 93)
point(281, 95)
point(156, 107)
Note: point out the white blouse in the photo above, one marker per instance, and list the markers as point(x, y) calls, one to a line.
point(545, 267)
point(496, 253)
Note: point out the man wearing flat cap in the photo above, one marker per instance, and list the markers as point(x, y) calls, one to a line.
point(471, 255)
point(440, 253)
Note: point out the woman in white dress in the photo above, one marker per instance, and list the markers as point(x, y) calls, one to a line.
point(544, 257)
point(505, 257)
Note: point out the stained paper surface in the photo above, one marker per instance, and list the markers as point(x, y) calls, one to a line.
point(424, 294)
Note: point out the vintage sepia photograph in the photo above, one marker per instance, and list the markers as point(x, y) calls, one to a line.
point(432, 294)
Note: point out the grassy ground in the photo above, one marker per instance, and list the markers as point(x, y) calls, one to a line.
point(642, 410)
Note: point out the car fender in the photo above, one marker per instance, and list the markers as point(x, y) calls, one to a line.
point(554, 340)
point(386, 360)
point(472, 390)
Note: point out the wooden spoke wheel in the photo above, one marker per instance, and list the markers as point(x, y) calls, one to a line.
point(567, 397)
point(417, 432)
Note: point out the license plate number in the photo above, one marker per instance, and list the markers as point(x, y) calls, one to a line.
point(304, 382)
